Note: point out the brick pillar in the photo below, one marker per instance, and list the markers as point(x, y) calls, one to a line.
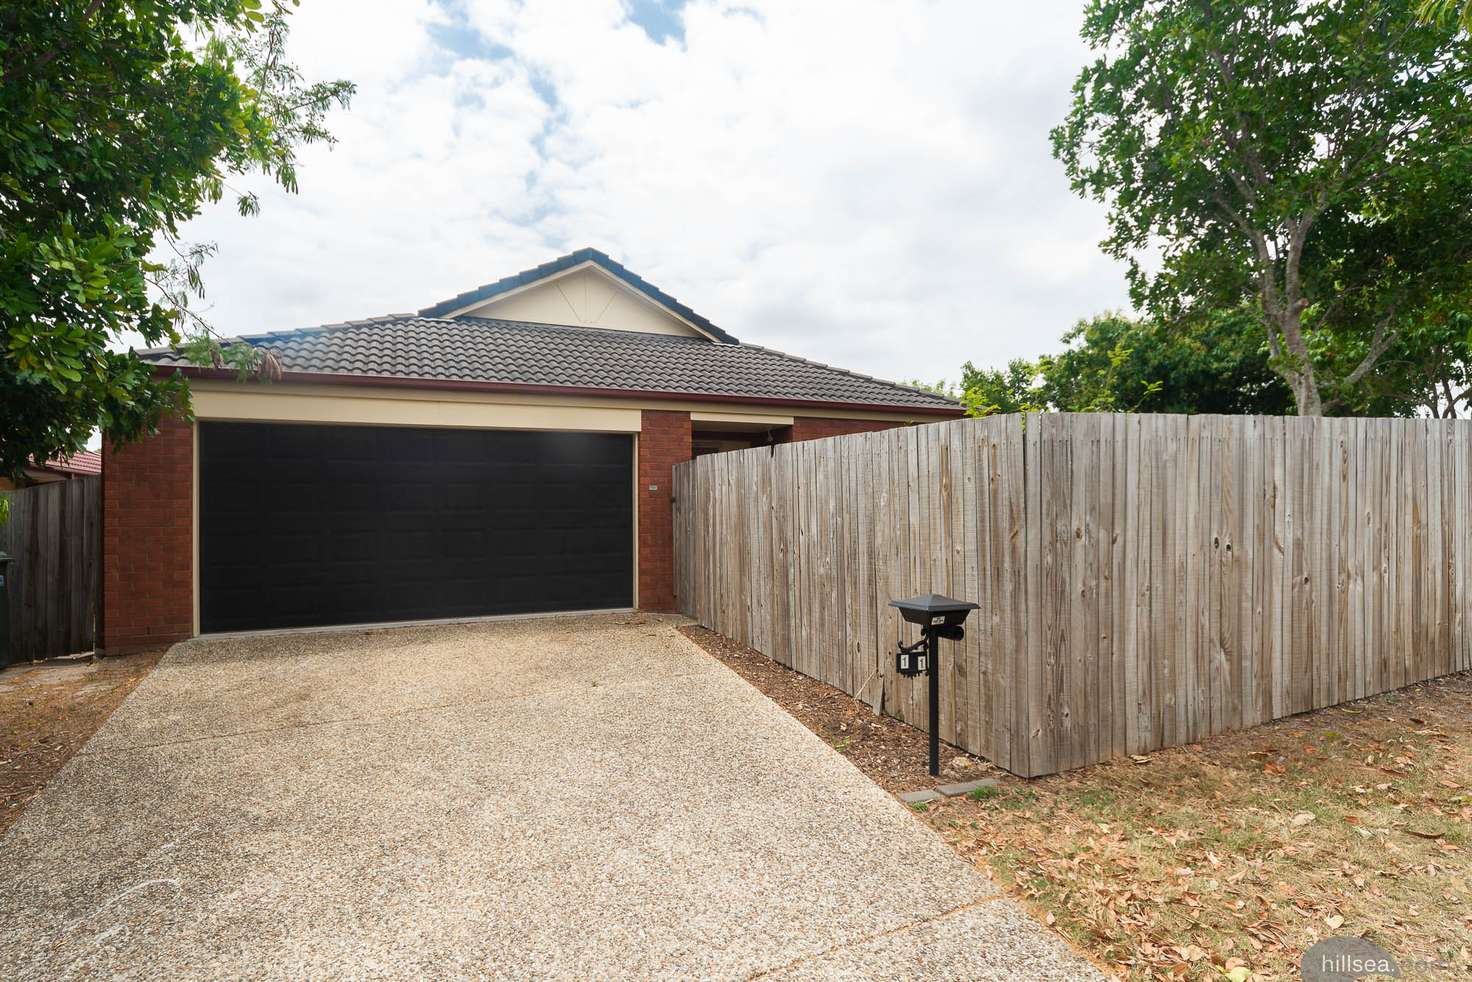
point(148, 541)
point(664, 441)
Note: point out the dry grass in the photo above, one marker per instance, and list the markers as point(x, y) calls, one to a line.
point(1244, 852)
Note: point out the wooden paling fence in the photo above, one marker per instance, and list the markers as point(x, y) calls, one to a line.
point(1145, 581)
point(54, 537)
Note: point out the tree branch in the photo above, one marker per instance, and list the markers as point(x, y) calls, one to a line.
point(1383, 338)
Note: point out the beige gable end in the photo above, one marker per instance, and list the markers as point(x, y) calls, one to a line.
point(584, 296)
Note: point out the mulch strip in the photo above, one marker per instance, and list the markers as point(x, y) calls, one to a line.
point(891, 754)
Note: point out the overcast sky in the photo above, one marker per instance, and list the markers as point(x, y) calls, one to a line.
point(862, 183)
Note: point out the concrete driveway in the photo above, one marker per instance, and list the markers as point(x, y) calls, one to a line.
point(575, 797)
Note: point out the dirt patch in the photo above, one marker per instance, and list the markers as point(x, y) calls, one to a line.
point(48, 711)
point(891, 754)
point(1233, 856)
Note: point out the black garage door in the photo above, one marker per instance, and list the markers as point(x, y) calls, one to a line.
point(305, 525)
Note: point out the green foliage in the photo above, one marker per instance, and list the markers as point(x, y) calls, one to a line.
point(1446, 11)
point(119, 121)
point(1018, 388)
point(940, 388)
point(1309, 158)
point(1428, 368)
point(1215, 363)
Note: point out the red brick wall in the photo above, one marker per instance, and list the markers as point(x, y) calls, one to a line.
point(148, 541)
point(663, 442)
point(816, 428)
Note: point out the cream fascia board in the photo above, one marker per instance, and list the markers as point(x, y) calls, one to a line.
point(553, 277)
point(277, 405)
point(445, 403)
point(754, 419)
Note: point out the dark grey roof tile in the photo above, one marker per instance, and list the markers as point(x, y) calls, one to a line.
point(477, 349)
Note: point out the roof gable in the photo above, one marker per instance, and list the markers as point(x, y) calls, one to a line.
point(585, 296)
point(585, 288)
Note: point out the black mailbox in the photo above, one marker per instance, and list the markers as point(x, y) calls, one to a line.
point(932, 608)
point(937, 617)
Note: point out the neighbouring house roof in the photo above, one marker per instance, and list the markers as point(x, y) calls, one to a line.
point(81, 462)
point(491, 290)
point(526, 355)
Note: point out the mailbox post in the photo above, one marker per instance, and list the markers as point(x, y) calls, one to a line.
point(938, 617)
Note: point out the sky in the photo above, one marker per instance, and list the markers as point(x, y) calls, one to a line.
point(867, 184)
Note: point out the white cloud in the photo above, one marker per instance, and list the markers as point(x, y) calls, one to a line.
point(862, 182)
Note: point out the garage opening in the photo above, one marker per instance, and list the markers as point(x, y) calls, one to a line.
point(308, 525)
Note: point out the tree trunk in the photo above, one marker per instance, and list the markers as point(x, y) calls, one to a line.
point(1298, 367)
point(1306, 396)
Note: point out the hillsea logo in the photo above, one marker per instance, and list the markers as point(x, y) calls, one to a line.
point(1343, 959)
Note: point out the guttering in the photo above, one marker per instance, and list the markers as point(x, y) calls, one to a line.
point(457, 385)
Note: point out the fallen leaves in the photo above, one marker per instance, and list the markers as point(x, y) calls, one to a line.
point(1230, 860)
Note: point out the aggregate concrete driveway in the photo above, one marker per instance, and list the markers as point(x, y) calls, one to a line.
point(581, 797)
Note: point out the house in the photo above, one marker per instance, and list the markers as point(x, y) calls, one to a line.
point(506, 451)
point(83, 463)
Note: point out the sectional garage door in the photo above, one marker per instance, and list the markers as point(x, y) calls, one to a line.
point(307, 525)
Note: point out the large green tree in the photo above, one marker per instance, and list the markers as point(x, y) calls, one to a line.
point(1310, 157)
point(119, 121)
point(1214, 363)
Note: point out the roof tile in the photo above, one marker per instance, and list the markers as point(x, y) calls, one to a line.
point(478, 349)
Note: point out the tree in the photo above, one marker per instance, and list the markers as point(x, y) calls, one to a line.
point(1018, 388)
point(1305, 156)
point(119, 121)
point(1210, 363)
point(1428, 370)
point(940, 388)
point(1215, 363)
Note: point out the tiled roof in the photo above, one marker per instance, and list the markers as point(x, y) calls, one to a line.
point(483, 293)
point(478, 349)
point(81, 462)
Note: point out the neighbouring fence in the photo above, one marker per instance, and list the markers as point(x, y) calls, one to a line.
point(1145, 581)
point(54, 537)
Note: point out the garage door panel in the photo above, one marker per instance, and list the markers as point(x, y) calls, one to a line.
point(304, 525)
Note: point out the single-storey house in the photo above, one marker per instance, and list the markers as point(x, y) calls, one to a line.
point(505, 451)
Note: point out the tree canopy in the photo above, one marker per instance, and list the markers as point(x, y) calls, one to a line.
point(1113, 363)
point(1310, 158)
point(119, 121)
